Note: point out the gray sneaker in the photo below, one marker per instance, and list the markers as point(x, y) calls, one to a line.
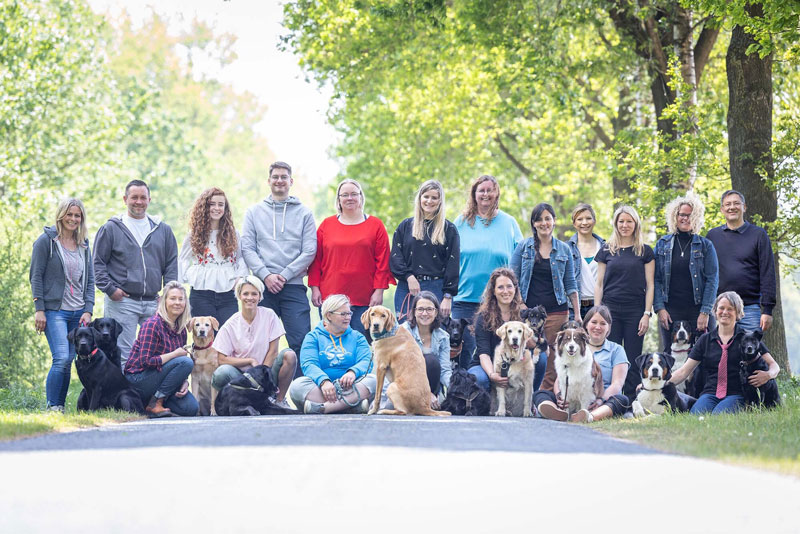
point(313, 407)
point(283, 404)
point(57, 409)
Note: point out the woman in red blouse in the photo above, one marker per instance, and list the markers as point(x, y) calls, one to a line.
point(352, 255)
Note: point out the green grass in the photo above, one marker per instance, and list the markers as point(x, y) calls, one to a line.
point(22, 413)
point(765, 439)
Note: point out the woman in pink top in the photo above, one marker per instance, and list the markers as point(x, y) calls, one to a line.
point(352, 255)
point(251, 337)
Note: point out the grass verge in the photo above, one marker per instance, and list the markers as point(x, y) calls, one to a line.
point(765, 439)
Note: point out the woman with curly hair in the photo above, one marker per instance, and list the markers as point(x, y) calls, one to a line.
point(211, 257)
point(687, 271)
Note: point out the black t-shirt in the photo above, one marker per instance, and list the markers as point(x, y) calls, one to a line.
point(624, 283)
point(485, 341)
point(540, 290)
point(708, 352)
point(680, 299)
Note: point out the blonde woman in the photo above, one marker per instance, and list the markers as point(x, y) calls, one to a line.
point(62, 282)
point(687, 271)
point(625, 271)
point(159, 365)
point(426, 251)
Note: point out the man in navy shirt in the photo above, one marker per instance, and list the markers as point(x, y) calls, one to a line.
point(746, 263)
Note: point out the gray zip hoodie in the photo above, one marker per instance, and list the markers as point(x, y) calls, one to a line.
point(279, 237)
point(47, 273)
point(119, 262)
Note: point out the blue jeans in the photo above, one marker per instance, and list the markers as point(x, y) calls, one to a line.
point(480, 374)
point(708, 403)
point(162, 384)
point(752, 317)
point(291, 305)
point(59, 324)
point(220, 306)
point(465, 310)
point(434, 286)
point(130, 313)
point(483, 378)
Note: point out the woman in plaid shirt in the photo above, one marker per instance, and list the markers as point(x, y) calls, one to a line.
point(159, 365)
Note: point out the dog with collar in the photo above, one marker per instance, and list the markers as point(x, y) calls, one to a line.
point(682, 336)
point(251, 394)
point(579, 377)
point(535, 318)
point(107, 330)
point(398, 357)
point(513, 360)
point(206, 361)
point(465, 396)
point(658, 394)
point(455, 329)
point(752, 361)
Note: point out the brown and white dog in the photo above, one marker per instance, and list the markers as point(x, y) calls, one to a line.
point(580, 380)
point(205, 362)
point(397, 355)
point(513, 360)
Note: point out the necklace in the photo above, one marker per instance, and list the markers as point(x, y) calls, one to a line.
point(683, 249)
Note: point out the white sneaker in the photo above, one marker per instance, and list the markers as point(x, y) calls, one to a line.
point(283, 404)
point(313, 407)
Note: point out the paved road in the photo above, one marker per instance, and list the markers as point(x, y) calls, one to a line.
point(338, 473)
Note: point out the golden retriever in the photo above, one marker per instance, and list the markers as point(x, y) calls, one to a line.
point(205, 362)
point(513, 360)
point(398, 356)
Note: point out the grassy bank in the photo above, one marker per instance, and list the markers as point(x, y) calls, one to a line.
point(22, 415)
point(768, 439)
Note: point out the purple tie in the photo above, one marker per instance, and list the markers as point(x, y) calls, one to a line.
point(722, 371)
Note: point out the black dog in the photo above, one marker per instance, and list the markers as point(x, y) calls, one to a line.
point(465, 397)
point(250, 395)
point(752, 348)
point(107, 330)
point(455, 327)
point(104, 384)
point(535, 318)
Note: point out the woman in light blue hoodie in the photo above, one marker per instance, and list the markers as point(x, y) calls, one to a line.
point(336, 361)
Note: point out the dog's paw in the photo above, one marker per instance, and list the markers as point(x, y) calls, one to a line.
point(638, 411)
point(500, 413)
point(527, 412)
point(373, 410)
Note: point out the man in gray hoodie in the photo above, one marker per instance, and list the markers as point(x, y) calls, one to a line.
point(279, 241)
point(134, 256)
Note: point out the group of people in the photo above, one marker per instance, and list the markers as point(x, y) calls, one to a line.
point(477, 267)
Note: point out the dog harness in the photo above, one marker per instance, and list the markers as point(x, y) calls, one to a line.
point(469, 399)
point(254, 386)
point(455, 351)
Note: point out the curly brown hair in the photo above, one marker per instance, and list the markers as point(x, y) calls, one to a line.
point(200, 225)
point(489, 309)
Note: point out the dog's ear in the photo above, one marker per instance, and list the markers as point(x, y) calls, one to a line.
point(117, 327)
point(390, 321)
point(758, 333)
point(559, 337)
point(215, 324)
point(668, 360)
point(91, 324)
point(501, 331)
point(542, 310)
point(71, 335)
point(639, 362)
point(365, 318)
point(528, 332)
point(445, 322)
point(464, 322)
point(523, 313)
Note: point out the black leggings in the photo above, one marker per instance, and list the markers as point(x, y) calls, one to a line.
point(625, 331)
point(434, 370)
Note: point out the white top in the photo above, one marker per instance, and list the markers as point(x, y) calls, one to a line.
point(589, 275)
point(239, 339)
point(138, 227)
point(211, 271)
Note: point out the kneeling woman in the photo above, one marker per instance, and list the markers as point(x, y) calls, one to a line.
point(613, 363)
point(718, 354)
point(249, 338)
point(158, 365)
point(335, 360)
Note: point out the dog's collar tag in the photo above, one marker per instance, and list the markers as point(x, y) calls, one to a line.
point(386, 333)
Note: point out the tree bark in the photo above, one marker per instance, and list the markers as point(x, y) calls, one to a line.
point(749, 148)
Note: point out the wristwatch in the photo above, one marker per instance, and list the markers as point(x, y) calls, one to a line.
point(648, 313)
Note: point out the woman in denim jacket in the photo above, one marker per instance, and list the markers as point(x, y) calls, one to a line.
point(543, 265)
point(687, 272)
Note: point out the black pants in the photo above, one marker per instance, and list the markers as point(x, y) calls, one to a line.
point(220, 306)
point(434, 371)
point(625, 331)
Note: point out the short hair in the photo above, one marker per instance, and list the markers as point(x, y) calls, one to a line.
point(697, 218)
point(251, 280)
point(338, 205)
point(583, 206)
point(63, 207)
point(137, 183)
point(424, 295)
point(280, 165)
point(730, 192)
point(333, 302)
point(735, 300)
point(604, 312)
point(183, 319)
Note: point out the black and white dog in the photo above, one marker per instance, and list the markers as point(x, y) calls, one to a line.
point(682, 336)
point(657, 394)
point(751, 361)
point(535, 318)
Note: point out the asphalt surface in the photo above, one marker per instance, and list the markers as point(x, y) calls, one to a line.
point(393, 474)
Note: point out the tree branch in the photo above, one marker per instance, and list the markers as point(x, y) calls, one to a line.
point(518, 164)
point(702, 50)
point(601, 133)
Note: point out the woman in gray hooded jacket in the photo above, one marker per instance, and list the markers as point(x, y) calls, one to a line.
point(62, 283)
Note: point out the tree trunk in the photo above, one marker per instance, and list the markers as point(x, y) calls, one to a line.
point(749, 147)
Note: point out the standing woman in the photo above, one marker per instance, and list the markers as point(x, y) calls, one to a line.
point(211, 257)
point(585, 245)
point(158, 365)
point(425, 251)
point(625, 284)
point(352, 255)
point(687, 271)
point(62, 282)
point(488, 238)
point(543, 266)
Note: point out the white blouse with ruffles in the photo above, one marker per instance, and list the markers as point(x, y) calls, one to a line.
point(211, 271)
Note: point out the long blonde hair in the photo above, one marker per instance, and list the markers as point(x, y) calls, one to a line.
point(697, 219)
point(613, 241)
point(182, 321)
point(63, 207)
point(418, 228)
point(471, 209)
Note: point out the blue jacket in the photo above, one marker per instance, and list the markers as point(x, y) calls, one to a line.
point(703, 266)
point(560, 264)
point(440, 343)
point(577, 259)
point(324, 356)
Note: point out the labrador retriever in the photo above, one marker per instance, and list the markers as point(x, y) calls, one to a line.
point(251, 394)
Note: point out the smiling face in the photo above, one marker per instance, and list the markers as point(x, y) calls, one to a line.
point(175, 303)
point(584, 223)
point(72, 219)
point(684, 218)
point(430, 201)
point(733, 209)
point(425, 312)
point(350, 198)
point(504, 290)
point(339, 319)
point(598, 329)
point(137, 199)
point(250, 297)
point(280, 181)
point(725, 313)
point(544, 225)
point(216, 207)
point(486, 195)
point(625, 225)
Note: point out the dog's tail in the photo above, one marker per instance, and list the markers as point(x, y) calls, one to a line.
point(438, 413)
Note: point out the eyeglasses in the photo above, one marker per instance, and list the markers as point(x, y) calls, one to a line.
point(426, 310)
point(343, 314)
point(684, 215)
point(349, 195)
point(277, 177)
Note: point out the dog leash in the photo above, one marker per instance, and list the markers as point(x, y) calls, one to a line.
point(255, 386)
point(340, 393)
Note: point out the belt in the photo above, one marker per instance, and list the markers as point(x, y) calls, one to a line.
point(426, 278)
point(589, 302)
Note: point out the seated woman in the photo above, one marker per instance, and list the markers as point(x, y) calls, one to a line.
point(335, 360)
point(718, 353)
point(158, 365)
point(423, 323)
point(613, 363)
point(251, 337)
point(501, 302)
